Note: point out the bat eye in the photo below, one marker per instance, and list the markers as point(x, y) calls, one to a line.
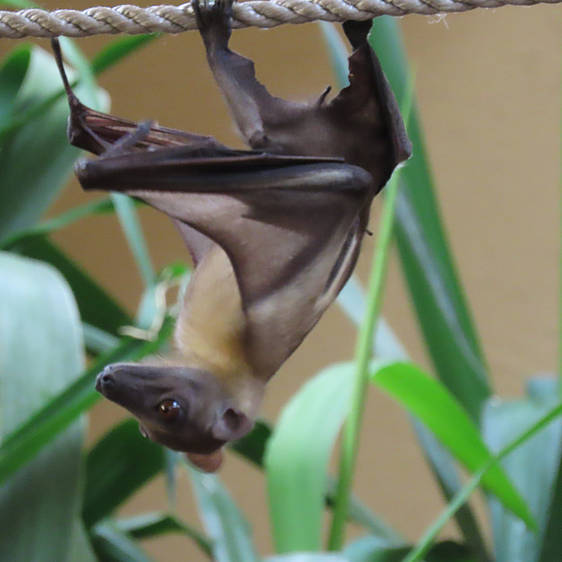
point(169, 409)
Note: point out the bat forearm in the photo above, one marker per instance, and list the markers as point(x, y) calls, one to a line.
point(234, 75)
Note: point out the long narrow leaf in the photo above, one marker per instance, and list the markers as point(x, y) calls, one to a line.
point(386, 344)
point(112, 545)
point(116, 467)
point(96, 306)
point(26, 441)
point(430, 272)
point(98, 341)
point(297, 459)
point(41, 353)
point(369, 549)
point(110, 55)
point(308, 557)
point(225, 524)
point(149, 525)
point(429, 536)
point(363, 352)
point(429, 400)
point(36, 159)
point(551, 548)
point(12, 74)
point(532, 467)
point(133, 233)
point(252, 447)
point(116, 50)
point(80, 548)
point(448, 479)
point(100, 206)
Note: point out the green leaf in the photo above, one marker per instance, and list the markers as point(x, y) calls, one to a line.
point(96, 306)
point(12, 73)
point(463, 495)
point(225, 524)
point(308, 557)
point(100, 206)
point(41, 353)
point(112, 53)
point(18, 3)
point(387, 346)
point(429, 400)
point(171, 460)
point(24, 443)
point(252, 447)
point(118, 49)
point(447, 476)
point(150, 525)
point(133, 233)
point(372, 549)
point(434, 284)
point(352, 300)
point(80, 549)
point(112, 545)
point(551, 545)
point(297, 458)
point(533, 467)
point(98, 341)
point(430, 272)
point(36, 158)
point(116, 467)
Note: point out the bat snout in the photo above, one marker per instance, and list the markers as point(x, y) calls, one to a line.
point(105, 381)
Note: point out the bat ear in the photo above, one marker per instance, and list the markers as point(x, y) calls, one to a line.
point(232, 424)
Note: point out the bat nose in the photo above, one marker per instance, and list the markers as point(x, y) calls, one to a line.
point(105, 380)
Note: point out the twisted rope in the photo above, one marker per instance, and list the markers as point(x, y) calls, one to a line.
point(261, 13)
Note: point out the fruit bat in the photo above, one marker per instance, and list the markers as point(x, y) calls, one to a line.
point(274, 232)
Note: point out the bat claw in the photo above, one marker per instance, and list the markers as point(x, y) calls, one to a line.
point(213, 19)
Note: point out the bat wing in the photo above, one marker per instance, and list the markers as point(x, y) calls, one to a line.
point(362, 123)
point(368, 107)
point(289, 226)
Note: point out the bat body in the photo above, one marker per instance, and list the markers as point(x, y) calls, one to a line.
point(274, 232)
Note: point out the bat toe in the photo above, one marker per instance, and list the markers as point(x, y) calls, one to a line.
point(213, 20)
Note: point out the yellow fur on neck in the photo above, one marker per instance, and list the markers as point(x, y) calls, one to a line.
point(211, 329)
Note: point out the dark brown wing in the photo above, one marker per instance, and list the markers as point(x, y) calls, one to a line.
point(288, 225)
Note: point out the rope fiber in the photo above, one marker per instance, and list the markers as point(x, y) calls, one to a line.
point(260, 13)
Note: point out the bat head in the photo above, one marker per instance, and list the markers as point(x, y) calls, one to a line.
point(182, 408)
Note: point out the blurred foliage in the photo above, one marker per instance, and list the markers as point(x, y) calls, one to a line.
point(51, 307)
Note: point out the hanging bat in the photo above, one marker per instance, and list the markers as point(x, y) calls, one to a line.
point(274, 232)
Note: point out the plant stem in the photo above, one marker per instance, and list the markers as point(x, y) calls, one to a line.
point(362, 358)
point(464, 493)
point(363, 352)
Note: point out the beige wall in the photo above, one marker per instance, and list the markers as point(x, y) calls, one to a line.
point(488, 91)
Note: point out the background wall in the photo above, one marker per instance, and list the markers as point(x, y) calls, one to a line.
point(488, 90)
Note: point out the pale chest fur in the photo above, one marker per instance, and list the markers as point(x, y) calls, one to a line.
point(211, 328)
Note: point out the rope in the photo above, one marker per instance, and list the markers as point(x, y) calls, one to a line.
point(260, 13)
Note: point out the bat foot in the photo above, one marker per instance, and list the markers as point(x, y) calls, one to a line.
point(213, 19)
point(357, 31)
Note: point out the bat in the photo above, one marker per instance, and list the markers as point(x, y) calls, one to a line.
point(274, 232)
